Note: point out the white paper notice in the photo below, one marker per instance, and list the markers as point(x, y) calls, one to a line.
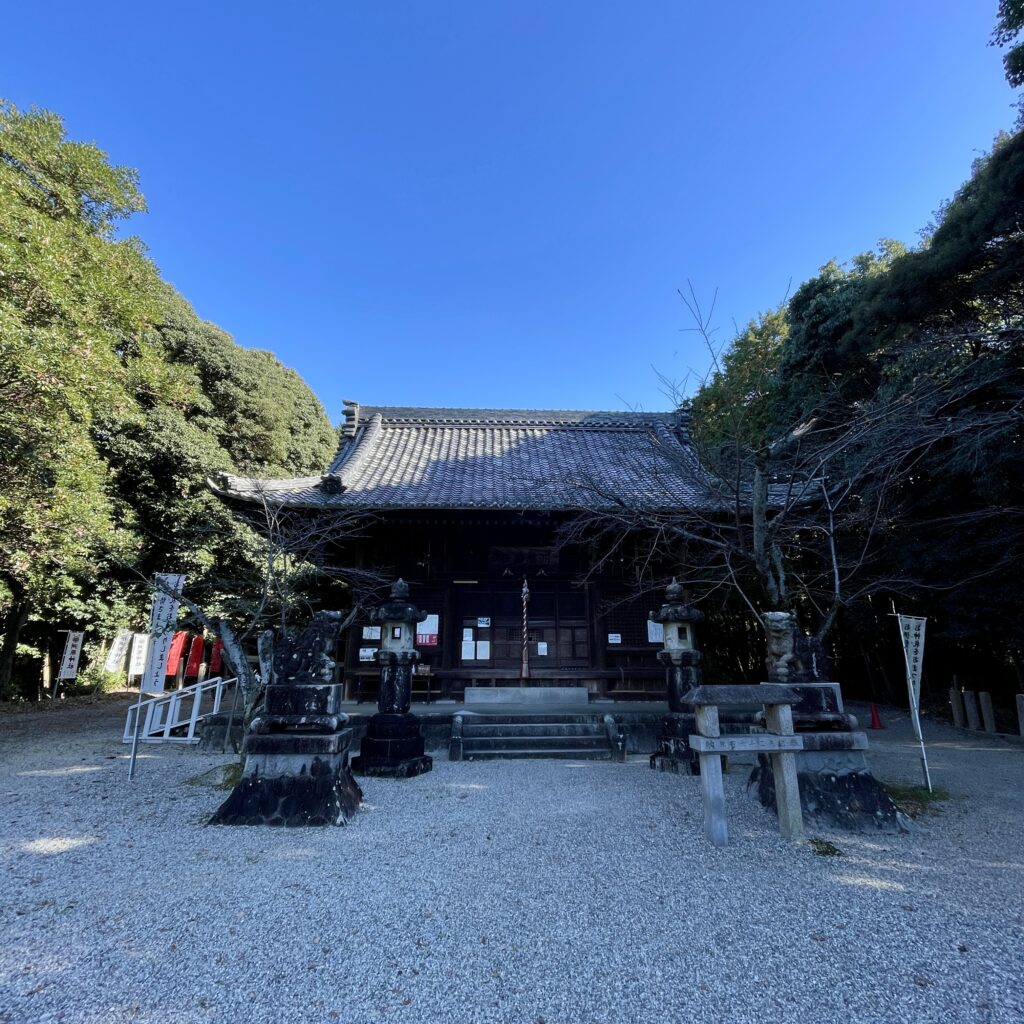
point(467, 634)
point(655, 632)
point(468, 650)
point(615, 638)
point(367, 653)
point(427, 631)
point(542, 649)
point(483, 650)
point(484, 622)
point(371, 632)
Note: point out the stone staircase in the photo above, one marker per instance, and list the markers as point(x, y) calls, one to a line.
point(576, 736)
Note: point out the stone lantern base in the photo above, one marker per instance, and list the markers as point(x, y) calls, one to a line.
point(674, 753)
point(392, 746)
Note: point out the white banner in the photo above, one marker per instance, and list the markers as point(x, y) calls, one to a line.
point(162, 618)
point(164, 612)
point(72, 652)
point(140, 648)
point(912, 634)
point(117, 652)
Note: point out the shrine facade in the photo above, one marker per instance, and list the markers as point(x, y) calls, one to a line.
point(469, 506)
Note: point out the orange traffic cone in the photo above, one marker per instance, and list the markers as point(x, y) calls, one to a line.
point(876, 718)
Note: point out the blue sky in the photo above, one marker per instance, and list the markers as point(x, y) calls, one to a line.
point(493, 203)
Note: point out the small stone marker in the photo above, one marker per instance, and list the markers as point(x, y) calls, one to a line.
point(956, 705)
point(971, 708)
point(988, 714)
point(780, 744)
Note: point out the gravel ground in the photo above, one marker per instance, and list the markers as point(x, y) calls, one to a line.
point(552, 891)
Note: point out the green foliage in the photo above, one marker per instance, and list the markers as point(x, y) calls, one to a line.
point(924, 350)
point(821, 363)
point(116, 401)
point(1008, 27)
point(733, 405)
point(94, 679)
point(73, 300)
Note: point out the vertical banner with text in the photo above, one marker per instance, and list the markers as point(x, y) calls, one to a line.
point(72, 652)
point(117, 652)
point(912, 634)
point(140, 648)
point(162, 617)
point(912, 637)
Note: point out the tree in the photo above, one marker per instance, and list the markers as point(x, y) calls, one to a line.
point(1008, 27)
point(73, 299)
point(297, 572)
point(116, 402)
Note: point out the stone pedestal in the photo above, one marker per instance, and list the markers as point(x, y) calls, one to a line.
point(674, 753)
point(836, 787)
point(296, 763)
point(392, 746)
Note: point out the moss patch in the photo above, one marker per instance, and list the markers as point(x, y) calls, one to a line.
point(224, 776)
point(916, 800)
point(823, 848)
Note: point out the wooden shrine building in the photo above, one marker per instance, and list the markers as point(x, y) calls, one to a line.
point(466, 503)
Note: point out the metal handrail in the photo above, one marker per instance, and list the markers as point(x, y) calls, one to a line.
point(163, 712)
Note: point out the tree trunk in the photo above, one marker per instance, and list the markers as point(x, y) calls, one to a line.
point(16, 619)
point(234, 655)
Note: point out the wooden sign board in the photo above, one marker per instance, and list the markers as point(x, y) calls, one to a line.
point(758, 744)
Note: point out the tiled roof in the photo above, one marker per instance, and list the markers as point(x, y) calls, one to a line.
point(405, 458)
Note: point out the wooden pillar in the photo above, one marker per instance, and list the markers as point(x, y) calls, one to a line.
point(1020, 713)
point(779, 722)
point(715, 827)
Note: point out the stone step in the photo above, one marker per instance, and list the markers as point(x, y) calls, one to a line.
point(522, 752)
point(472, 744)
point(533, 729)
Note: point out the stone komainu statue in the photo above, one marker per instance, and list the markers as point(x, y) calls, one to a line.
point(306, 659)
point(793, 657)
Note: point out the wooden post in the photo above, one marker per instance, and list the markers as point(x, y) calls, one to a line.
point(779, 721)
point(1020, 713)
point(988, 714)
point(956, 705)
point(715, 827)
point(971, 708)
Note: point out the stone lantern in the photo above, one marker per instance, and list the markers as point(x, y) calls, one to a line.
point(679, 654)
point(393, 744)
point(682, 660)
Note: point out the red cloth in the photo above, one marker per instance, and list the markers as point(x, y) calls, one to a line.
point(195, 658)
point(174, 654)
point(215, 658)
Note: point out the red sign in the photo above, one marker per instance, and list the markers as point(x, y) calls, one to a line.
point(174, 654)
point(215, 657)
point(195, 658)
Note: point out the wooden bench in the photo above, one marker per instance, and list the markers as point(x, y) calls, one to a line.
point(780, 744)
